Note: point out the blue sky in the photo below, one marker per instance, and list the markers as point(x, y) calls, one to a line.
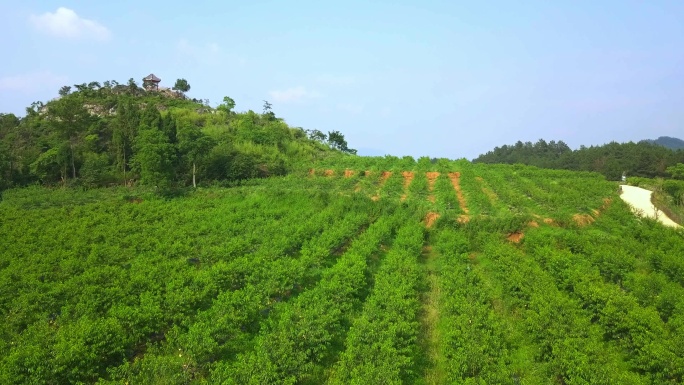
point(438, 78)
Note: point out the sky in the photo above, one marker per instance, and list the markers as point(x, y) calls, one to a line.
point(432, 78)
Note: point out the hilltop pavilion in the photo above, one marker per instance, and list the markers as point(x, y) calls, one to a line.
point(151, 82)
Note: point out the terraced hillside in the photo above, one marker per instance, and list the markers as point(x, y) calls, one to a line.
point(379, 271)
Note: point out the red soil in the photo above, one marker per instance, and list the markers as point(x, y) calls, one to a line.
point(384, 176)
point(583, 219)
point(515, 237)
point(430, 219)
point(432, 177)
point(455, 180)
point(408, 178)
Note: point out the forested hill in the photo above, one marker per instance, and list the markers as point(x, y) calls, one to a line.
point(636, 159)
point(669, 142)
point(111, 133)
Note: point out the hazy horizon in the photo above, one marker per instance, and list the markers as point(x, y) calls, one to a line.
point(431, 78)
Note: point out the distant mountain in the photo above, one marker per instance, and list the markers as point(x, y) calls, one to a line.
point(668, 142)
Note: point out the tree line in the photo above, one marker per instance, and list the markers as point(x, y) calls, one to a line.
point(642, 159)
point(111, 133)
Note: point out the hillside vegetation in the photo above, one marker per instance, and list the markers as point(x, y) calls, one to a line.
point(101, 135)
point(642, 159)
point(358, 271)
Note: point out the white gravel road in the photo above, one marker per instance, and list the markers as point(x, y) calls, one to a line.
point(640, 200)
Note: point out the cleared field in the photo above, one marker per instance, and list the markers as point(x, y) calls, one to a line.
point(362, 273)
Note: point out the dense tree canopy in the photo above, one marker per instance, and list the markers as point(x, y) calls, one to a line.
point(102, 134)
point(642, 159)
point(677, 171)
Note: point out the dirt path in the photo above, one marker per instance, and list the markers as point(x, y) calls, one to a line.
point(430, 219)
point(455, 181)
point(432, 178)
point(640, 200)
point(430, 317)
point(408, 178)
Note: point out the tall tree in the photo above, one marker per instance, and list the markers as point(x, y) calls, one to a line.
point(64, 91)
point(268, 111)
point(336, 140)
point(181, 85)
point(317, 135)
point(8, 124)
point(153, 158)
point(168, 125)
point(227, 105)
point(71, 120)
point(125, 129)
point(81, 87)
point(194, 146)
point(151, 117)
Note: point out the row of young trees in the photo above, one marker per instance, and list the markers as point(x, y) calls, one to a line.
point(110, 134)
point(303, 336)
point(169, 297)
point(642, 159)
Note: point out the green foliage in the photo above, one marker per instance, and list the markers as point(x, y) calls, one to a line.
point(96, 170)
point(675, 189)
point(677, 171)
point(643, 159)
point(194, 146)
point(181, 85)
point(154, 157)
point(349, 270)
point(317, 136)
point(57, 142)
point(190, 291)
point(64, 91)
point(336, 141)
point(227, 105)
point(52, 162)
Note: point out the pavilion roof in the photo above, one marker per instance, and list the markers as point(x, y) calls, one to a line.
point(151, 78)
